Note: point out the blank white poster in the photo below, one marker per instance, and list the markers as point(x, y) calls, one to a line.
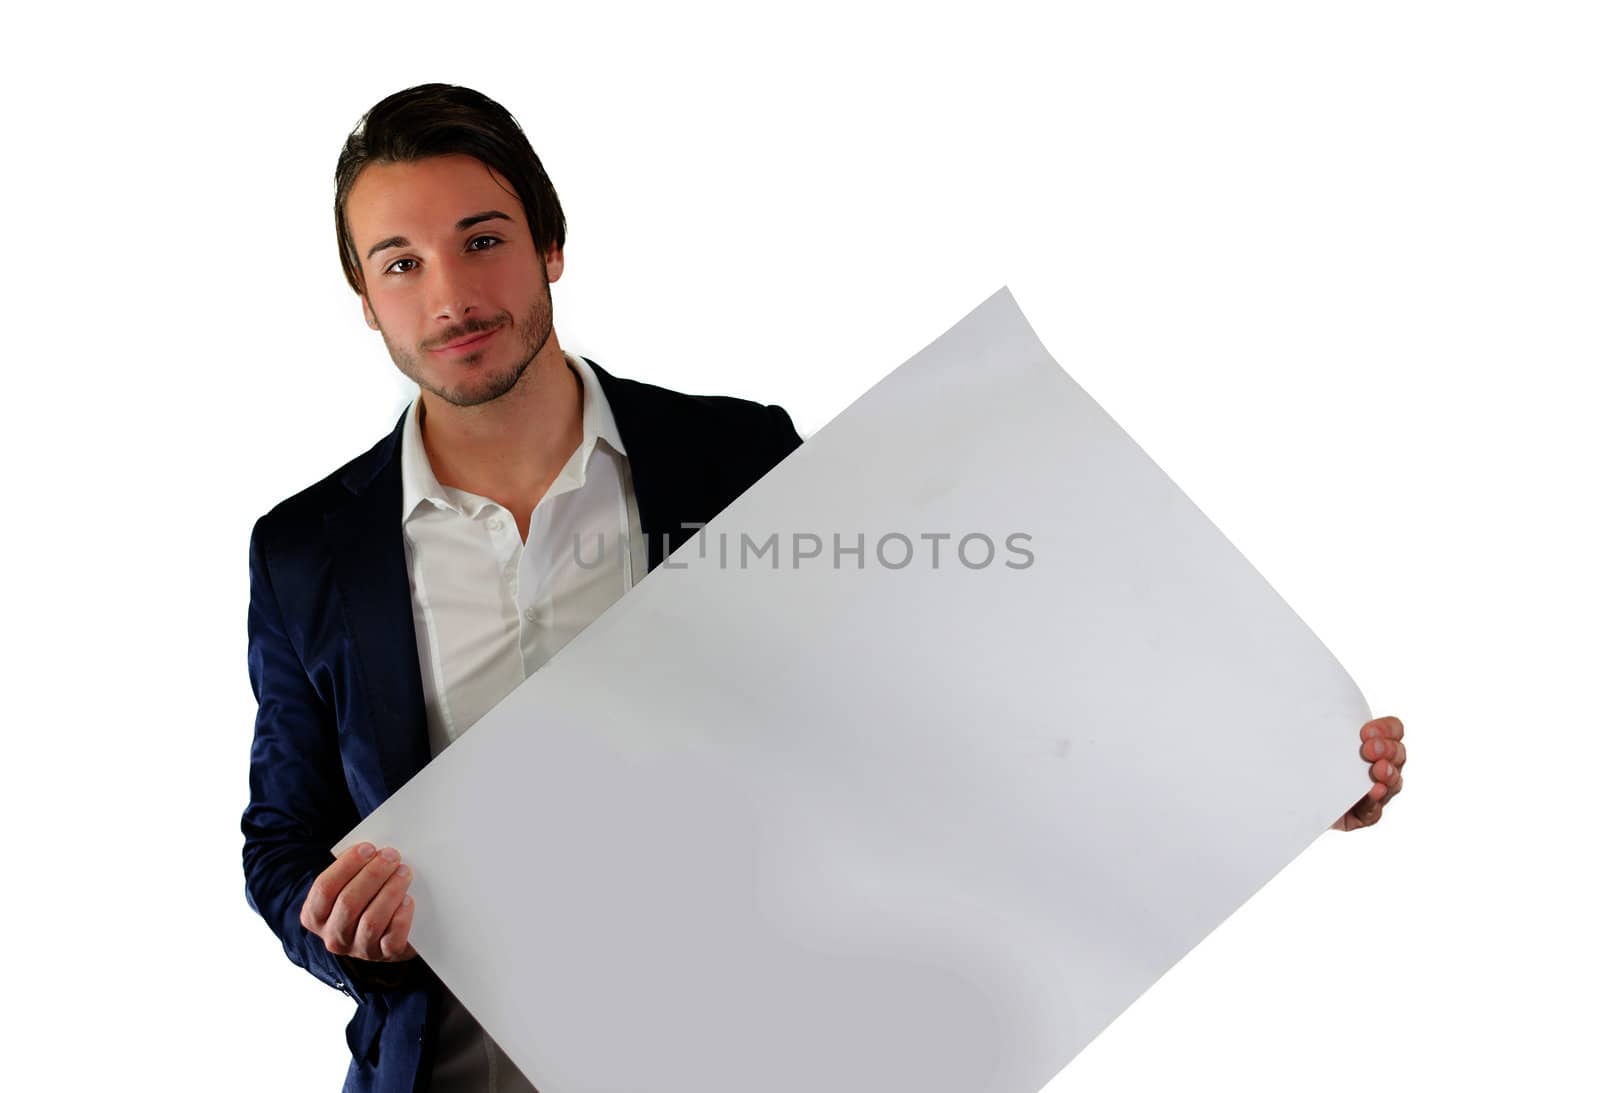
point(913, 770)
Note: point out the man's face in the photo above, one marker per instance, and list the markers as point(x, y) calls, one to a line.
point(454, 282)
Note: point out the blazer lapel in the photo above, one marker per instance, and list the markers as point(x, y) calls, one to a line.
point(663, 462)
point(670, 483)
point(369, 569)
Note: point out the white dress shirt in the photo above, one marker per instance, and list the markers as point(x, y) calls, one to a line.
point(490, 610)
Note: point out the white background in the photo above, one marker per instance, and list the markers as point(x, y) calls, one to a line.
point(1334, 266)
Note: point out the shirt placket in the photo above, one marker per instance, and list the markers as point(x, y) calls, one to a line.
point(532, 611)
point(508, 552)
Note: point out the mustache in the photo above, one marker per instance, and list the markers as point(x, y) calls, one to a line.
point(466, 330)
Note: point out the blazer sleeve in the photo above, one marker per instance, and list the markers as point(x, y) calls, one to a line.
point(299, 804)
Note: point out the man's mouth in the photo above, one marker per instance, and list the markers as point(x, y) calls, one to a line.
point(467, 344)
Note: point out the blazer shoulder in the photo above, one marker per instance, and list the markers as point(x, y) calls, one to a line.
point(302, 514)
point(710, 418)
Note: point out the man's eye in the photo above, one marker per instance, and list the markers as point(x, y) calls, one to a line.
point(395, 266)
point(489, 242)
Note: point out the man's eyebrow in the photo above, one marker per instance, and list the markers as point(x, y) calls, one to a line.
point(392, 241)
point(478, 218)
point(461, 225)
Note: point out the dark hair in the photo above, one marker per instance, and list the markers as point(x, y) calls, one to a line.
point(438, 119)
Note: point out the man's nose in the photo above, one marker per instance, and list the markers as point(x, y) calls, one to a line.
point(452, 296)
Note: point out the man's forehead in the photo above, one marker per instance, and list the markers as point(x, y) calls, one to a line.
point(432, 194)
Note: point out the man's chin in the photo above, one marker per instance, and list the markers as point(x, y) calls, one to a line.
point(466, 397)
point(477, 391)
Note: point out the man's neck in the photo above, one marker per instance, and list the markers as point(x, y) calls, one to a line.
point(512, 448)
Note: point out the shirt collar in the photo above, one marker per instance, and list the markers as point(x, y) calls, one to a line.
point(418, 482)
point(598, 422)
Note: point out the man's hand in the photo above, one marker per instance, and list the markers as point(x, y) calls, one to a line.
point(1381, 746)
point(358, 906)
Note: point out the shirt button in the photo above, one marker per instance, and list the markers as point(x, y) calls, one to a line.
point(494, 525)
point(531, 615)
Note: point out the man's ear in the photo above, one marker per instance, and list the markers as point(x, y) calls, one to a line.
point(366, 312)
point(553, 264)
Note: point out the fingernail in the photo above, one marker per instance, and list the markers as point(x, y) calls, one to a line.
point(403, 871)
point(1377, 749)
point(365, 850)
point(407, 902)
point(391, 854)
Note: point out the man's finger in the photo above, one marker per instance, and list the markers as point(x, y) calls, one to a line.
point(395, 944)
point(1382, 748)
point(340, 931)
point(330, 882)
point(1389, 727)
point(375, 919)
point(1385, 772)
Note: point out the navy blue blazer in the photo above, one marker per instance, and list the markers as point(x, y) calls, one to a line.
point(340, 723)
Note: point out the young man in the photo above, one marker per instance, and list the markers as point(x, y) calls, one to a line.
point(397, 600)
